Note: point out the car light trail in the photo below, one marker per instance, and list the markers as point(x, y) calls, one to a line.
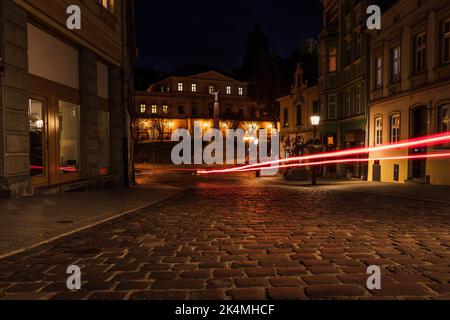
point(412, 143)
point(352, 160)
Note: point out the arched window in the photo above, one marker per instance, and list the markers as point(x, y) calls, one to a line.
point(395, 128)
point(444, 118)
point(378, 131)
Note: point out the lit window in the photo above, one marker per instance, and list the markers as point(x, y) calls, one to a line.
point(444, 118)
point(194, 87)
point(379, 72)
point(228, 90)
point(420, 48)
point(165, 109)
point(285, 117)
point(107, 4)
point(211, 89)
point(358, 99)
point(69, 137)
point(154, 109)
point(446, 41)
point(143, 108)
point(180, 86)
point(395, 128)
point(332, 58)
point(378, 131)
point(332, 107)
point(241, 91)
point(396, 64)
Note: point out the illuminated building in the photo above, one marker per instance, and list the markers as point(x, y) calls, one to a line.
point(410, 89)
point(177, 102)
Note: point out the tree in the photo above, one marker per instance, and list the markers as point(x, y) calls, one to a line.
point(160, 125)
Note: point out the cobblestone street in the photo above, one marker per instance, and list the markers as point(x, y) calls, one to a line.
point(246, 239)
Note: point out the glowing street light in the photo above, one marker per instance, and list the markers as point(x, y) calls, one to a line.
point(315, 120)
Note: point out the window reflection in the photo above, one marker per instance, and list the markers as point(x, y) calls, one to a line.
point(69, 137)
point(36, 123)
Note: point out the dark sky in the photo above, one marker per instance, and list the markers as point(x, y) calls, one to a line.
point(176, 33)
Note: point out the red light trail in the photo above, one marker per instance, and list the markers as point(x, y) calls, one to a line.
point(352, 160)
point(417, 142)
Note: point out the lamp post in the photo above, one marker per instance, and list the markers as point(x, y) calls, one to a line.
point(315, 120)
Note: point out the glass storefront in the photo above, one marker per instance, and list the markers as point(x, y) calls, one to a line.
point(37, 137)
point(68, 137)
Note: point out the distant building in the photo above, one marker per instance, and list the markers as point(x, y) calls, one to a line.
point(64, 115)
point(296, 110)
point(178, 102)
point(410, 89)
point(343, 79)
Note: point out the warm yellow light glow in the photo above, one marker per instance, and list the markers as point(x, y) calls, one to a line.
point(315, 120)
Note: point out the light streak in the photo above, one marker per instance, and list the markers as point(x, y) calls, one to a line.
point(412, 143)
point(337, 161)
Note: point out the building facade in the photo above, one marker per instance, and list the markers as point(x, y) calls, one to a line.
point(410, 89)
point(343, 78)
point(296, 110)
point(65, 95)
point(178, 102)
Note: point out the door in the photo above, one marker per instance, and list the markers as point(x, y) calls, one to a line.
point(54, 131)
point(39, 141)
point(419, 129)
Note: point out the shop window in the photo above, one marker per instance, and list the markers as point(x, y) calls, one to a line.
point(69, 137)
point(104, 142)
point(36, 133)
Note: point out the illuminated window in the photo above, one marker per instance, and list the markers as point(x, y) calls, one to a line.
point(396, 64)
point(165, 109)
point(444, 118)
point(395, 128)
point(194, 87)
point(143, 108)
point(241, 91)
point(154, 109)
point(332, 106)
point(285, 117)
point(180, 86)
point(332, 60)
point(69, 136)
point(228, 90)
point(211, 89)
point(107, 4)
point(378, 131)
point(379, 73)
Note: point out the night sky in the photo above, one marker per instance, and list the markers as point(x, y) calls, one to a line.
point(176, 33)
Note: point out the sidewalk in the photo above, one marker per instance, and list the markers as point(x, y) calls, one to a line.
point(28, 222)
point(399, 190)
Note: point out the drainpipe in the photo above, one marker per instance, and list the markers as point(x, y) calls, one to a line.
point(368, 104)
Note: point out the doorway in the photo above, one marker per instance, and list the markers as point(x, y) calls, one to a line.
point(418, 129)
point(55, 136)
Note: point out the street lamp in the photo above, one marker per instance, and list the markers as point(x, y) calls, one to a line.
point(315, 120)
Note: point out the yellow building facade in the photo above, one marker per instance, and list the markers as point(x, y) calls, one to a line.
point(410, 90)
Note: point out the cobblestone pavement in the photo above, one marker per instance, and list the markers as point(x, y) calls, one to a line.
point(241, 239)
